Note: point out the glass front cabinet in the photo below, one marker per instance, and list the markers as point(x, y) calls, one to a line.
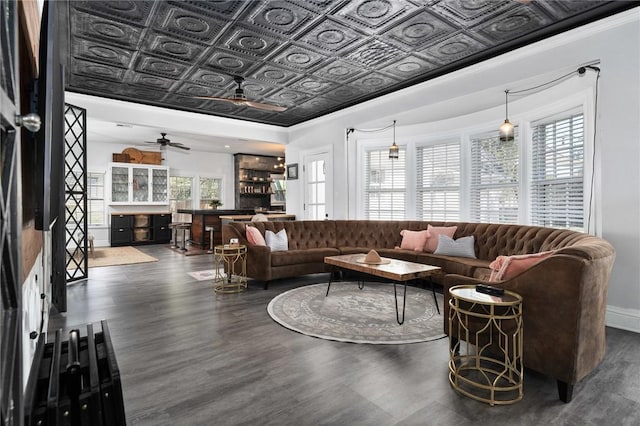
point(139, 184)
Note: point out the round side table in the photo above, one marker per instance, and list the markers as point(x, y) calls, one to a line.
point(485, 346)
point(233, 260)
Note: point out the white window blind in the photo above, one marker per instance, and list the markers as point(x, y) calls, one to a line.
point(438, 179)
point(557, 186)
point(95, 199)
point(385, 185)
point(494, 179)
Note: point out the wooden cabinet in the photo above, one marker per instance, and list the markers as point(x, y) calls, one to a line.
point(140, 228)
point(254, 179)
point(138, 184)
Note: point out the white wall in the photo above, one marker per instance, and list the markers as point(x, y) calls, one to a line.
point(614, 42)
point(181, 163)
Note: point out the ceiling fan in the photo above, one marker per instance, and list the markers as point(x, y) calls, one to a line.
point(163, 142)
point(239, 98)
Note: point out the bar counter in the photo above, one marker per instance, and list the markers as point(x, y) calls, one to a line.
point(200, 219)
point(247, 217)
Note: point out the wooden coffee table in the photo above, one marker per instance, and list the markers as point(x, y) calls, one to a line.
point(398, 271)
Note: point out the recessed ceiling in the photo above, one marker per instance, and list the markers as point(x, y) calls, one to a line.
point(311, 56)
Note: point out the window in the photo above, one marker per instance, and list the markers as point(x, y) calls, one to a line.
point(385, 185)
point(180, 196)
point(95, 199)
point(438, 175)
point(557, 172)
point(495, 171)
point(316, 180)
point(210, 189)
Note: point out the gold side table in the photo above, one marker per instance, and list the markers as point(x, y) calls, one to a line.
point(485, 332)
point(233, 260)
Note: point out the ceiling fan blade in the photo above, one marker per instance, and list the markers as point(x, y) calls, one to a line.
point(240, 101)
point(266, 107)
point(178, 145)
point(216, 98)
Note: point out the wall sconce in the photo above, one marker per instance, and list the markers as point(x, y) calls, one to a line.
point(506, 130)
point(394, 150)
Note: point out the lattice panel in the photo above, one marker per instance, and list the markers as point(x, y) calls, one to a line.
point(75, 178)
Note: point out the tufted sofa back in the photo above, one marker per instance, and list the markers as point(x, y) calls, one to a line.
point(304, 234)
point(491, 240)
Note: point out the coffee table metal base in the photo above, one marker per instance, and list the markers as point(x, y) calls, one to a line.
point(395, 295)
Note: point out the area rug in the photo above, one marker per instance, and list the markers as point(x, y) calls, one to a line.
point(203, 275)
point(349, 314)
point(111, 256)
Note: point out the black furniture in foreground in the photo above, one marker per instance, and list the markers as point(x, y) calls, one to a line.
point(75, 382)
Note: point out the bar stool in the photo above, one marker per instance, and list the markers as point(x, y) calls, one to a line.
point(184, 227)
point(174, 234)
point(90, 238)
point(210, 229)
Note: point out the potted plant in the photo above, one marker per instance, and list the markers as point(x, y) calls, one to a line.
point(215, 204)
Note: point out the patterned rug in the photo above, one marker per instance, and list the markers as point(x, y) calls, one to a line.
point(358, 316)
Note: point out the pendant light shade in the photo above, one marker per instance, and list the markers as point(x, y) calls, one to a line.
point(506, 130)
point(394, 150)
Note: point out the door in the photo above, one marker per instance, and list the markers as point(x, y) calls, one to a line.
point(119, 184)
point(10, 221)
point(140, 185)
point(317, 186)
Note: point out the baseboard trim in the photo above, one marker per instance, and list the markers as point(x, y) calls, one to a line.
point(625, 319)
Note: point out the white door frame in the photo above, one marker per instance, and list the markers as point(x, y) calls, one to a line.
point(306, 156)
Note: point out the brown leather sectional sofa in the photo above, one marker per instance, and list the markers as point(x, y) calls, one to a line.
point(564, 296)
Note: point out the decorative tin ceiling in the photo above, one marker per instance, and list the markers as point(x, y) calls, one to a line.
point(311, 56)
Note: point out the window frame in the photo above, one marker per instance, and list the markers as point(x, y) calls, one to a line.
point(104, 200)
point(441, 142)
point(365, 149)
point(534, 182)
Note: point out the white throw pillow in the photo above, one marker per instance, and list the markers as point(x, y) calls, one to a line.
point(462, 247)
point(277, 242)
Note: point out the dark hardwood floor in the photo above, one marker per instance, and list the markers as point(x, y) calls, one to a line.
point(190, 357)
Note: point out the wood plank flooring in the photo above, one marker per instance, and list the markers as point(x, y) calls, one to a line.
point(190, 357)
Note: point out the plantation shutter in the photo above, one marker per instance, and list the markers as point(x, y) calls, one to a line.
point(495, 172)
point(438, 182)
point(557, 187)
point(385, 185)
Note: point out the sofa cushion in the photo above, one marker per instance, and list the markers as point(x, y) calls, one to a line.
point(255, 237)
point(506, 267)
point(434, 232)
point(295, 257)
point(452, 264)
point(462, 247)
point(413, 240)
point(481, 273)
point(400, 254)
point(277, 241)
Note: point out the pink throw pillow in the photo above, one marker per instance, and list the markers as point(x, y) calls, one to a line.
point(434, 231)
point(413, 240)
point(255, 237)
point(507, 267)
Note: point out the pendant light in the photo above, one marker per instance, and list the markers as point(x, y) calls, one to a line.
point(506, 130)
point(394, 150)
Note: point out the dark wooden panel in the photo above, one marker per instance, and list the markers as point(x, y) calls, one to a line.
point(200, 219)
